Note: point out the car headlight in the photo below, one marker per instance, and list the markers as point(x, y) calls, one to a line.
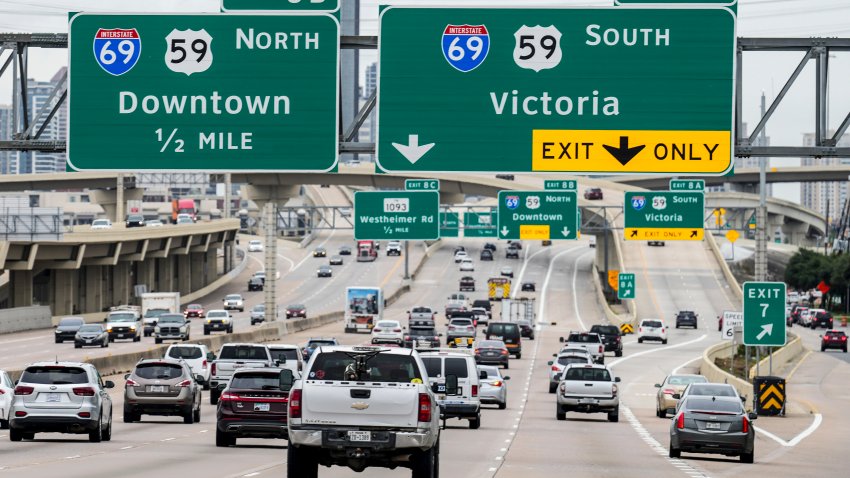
point(58, 331)
point(209, 321)
point(132, 327)
point(156, 329)
point(109, 330)
point(183, 328)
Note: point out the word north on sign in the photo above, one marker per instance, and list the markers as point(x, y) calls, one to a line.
point(643, 89)
point(211, 92)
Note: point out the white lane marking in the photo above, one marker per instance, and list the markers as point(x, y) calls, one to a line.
point(546, 284)
point(126, 447)
point(168, 439)
point(575, 294)
point(676, 370)
point(522, 270)
point(797, 439)
point(203, 431)
point(659, 349)
point(72, 457)
point(290, 261)
point(251, 474)
point(29, 339)
point(656, 446)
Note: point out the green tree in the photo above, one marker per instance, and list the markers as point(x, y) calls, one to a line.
point(807, 268)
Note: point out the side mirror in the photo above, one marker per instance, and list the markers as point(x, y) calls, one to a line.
point(744, 399)
point(286, 380)
point(105, 319)
point(657, 385)
point(506, 377)
point(451, 384)
point(482, 375)
point(126, 376)
point(617, 379)
point(677, 396)
point(406, 311)
point(440, 334)
point(554, 355)
point(200, 379)
point(752, 415)
point(109, 384)
point(55, 325)
point(561, 339)
point(210, 356)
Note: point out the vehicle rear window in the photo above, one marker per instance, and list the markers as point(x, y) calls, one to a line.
point(158, 371)
point(584, 338)
point(422, 309)
point(54, 375)
point(256, 381)
point(498, 344)
point(835, 333)
point(605, 329)
point(572, 359)
point(288, 354)
point(179, 352)
point(456, 366)
point(387, 325)
point(679, 380)
point(503, 330)
point(651, 323)
point(383, 367)
point(461, 322)
point(423, 331)
point(243, 352)
point(696, 404)
point(492, 372)
point(70, 322)
point(433, 366)
point(709, 390)
point(587, 374)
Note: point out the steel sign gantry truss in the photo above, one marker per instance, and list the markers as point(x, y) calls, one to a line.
point(27, 131)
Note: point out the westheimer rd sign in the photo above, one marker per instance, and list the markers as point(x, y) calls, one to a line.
point(588, 90)
point(384, 215)
point(203, 92)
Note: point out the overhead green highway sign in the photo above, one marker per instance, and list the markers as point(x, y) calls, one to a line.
point(538, 215)
point(764, 313)
point(401, 215)
point(449, 224)
point(422, 184)
point(242, 6)
point(664, 216)
point(581, 90)
point(203, 92)
point(687, 185)
point(480, 224)
point(560, 184)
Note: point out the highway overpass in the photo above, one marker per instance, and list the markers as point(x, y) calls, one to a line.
point(747, 177)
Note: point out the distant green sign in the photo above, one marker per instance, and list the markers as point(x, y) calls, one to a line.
point(538, 215)
point(664, 216)
point(449, 224)
point(626, 289)
point(687, 185)
point(422, 184)
point(401, 215)
point(764, 313)
point(279, 5)
point(560, 184)
point(480, 224)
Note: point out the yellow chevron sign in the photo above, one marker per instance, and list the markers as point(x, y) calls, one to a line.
point(772, 396)
point(627, 328)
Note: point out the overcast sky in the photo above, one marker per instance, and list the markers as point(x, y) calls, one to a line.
point(756, 18)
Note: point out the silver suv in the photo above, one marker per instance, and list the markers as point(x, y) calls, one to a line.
point(162, 387)
point(61, 397)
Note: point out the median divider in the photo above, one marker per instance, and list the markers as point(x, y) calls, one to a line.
point(781, 356)
point(715, 374)
point(724, 267)
point(613, 317)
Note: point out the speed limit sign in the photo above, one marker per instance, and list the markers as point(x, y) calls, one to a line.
point(731, 320)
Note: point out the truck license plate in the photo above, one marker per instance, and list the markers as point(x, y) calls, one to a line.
point(261, 407)
point(359, 436)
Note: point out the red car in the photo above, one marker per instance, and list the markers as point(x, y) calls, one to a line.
point(592, 193)
point(194, 311)
point(834, 339)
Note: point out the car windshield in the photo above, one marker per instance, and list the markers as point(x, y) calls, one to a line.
point(122, 317)
point(288, 354)
point(568, 359)
point(260, 308)
point(247, 352)
point(91, 328)
point(383, 367)
point(183, 352)
point(136, 218)
point(584, 338)
point(651, 323)
point(422, 309)
point(493, 344)
point(587, 374)
point(717, 390)
point(100, 222)
point(54, 375)
point(158, 371)
point(70, 322)
point(216, 313)
point(296, 307)
point(233, 297)
point(255, 243)
point(686, 379)
point(171, 319)
point(700, 404)
point(194, 307)
point(256, 381)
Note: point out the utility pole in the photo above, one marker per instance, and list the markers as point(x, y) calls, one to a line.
point(227, 196)
point(270, 285)
point(406, 264)
point(761, 225)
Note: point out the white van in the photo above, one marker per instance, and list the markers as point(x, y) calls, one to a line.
point(445, 366)
point(196, 356)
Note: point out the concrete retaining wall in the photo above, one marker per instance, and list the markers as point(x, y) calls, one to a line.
point(714, 374)
point(613, 317)
point(781, 357)
point(724, 267)
point(19, 319)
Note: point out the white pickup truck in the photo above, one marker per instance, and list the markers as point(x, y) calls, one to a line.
point(588, 388)
point(232, 357)
point(589, 341)
point(362, 407)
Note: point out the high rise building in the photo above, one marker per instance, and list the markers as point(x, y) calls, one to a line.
point(8, 159)
point(815, 196)
point(371, 80)
point(38, 94)
point(367, 130)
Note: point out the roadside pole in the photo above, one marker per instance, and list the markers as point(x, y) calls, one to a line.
point(406, 264)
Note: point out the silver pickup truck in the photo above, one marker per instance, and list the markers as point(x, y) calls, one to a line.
point(362, 407)
point(232, 357)
point(588, 388)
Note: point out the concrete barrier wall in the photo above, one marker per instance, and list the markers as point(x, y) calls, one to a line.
point(19, 319)
point(613, 317)
point(781, 357)
point(724, 267)
point(714, 374)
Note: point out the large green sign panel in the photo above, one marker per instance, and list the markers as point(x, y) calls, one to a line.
point(538, 215)
point(279, 5)
point(203, 92)
point(401, 215)
point(626, 282)
point(764, 313)
point(449, 224)
point(480, 224)
point(583, 90)
point(664, 216)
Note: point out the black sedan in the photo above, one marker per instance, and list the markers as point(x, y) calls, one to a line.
point(486, 255)
point(490, 246)
point(255, 283)
point(335, 261)
point(493, 352)
point(526, 329)
point(715, 424)
point(320, 252)
point(528, 287)
point(324, 271)
point(67, 328)
point(135, 220)
point(91, 335)
point(344, 250)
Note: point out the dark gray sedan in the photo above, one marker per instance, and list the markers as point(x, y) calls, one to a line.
point(716, 425)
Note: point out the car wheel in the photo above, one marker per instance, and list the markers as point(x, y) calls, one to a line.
point(96, 435)
point(58, 341)
point(186, 338)
point(107, 434)
point(301, 461)
point(104, 344)
point(503, 406)
point(677, 325)
point(78, 346)
point(845, 349)
point(618, 353)
point(823, 349)
point(518, 356)
point(614, 416)
point(427, 464)
point(16, 435)
point(747, 457)
point(674, 452)
point(552, 387)
point(4, 424)
point(189, 417)
point(664, 342)
point(137, 339)
point(206, 331)
point(206, 385)
point(223, 439)
point(214, 394)
point(230, 330)
point(475, 423)
point(157, 340)
point(560, 415)
point(640, 340)
point(196, 415)
point(662, 413)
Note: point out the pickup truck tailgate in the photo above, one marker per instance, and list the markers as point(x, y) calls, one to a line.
point(227, 367)
point(377, 404)
point(580, 388)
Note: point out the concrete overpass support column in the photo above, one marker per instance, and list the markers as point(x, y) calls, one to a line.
point(211, 267)
point(184, 274)
point(165, 274)
point(198, 265)
point(147, 274)
point(108, 200)
point(65, 282)
point(775, 222)
point(121, 283)
point(94, 290)
point(20, 283)
point(795, 233)
point(600, 252)
point(264, 194)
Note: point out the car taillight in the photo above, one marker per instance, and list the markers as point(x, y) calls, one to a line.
point(496, 383)
point(227, 396)
point(396, 330)
point(640, 329)
point(503, 352)
point(407, 337)
point(668, 391)
point(680, 421)
point(212, 368)
point(84, 391)
point(477, 352)
point(745, 425)
point(475, 390)
point(84, 414)
point(844, 337)
point(295, 403)
point(20, 413)
point(23, 390)
point(132, 383)
point(204, 364)
point(614, 390)
point(555, 368)
point(451, 327)
point(376, 330)
point(601, 349)
point(424, 407)
point(185, 383)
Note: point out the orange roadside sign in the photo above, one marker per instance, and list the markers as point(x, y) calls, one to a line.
point(613, 279)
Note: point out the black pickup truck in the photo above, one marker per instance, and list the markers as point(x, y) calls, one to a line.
point(611, 337)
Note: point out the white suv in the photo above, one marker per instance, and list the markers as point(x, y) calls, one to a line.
point(444, 368)
point(61, 397)
point(196, 356)
point(652, 329)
